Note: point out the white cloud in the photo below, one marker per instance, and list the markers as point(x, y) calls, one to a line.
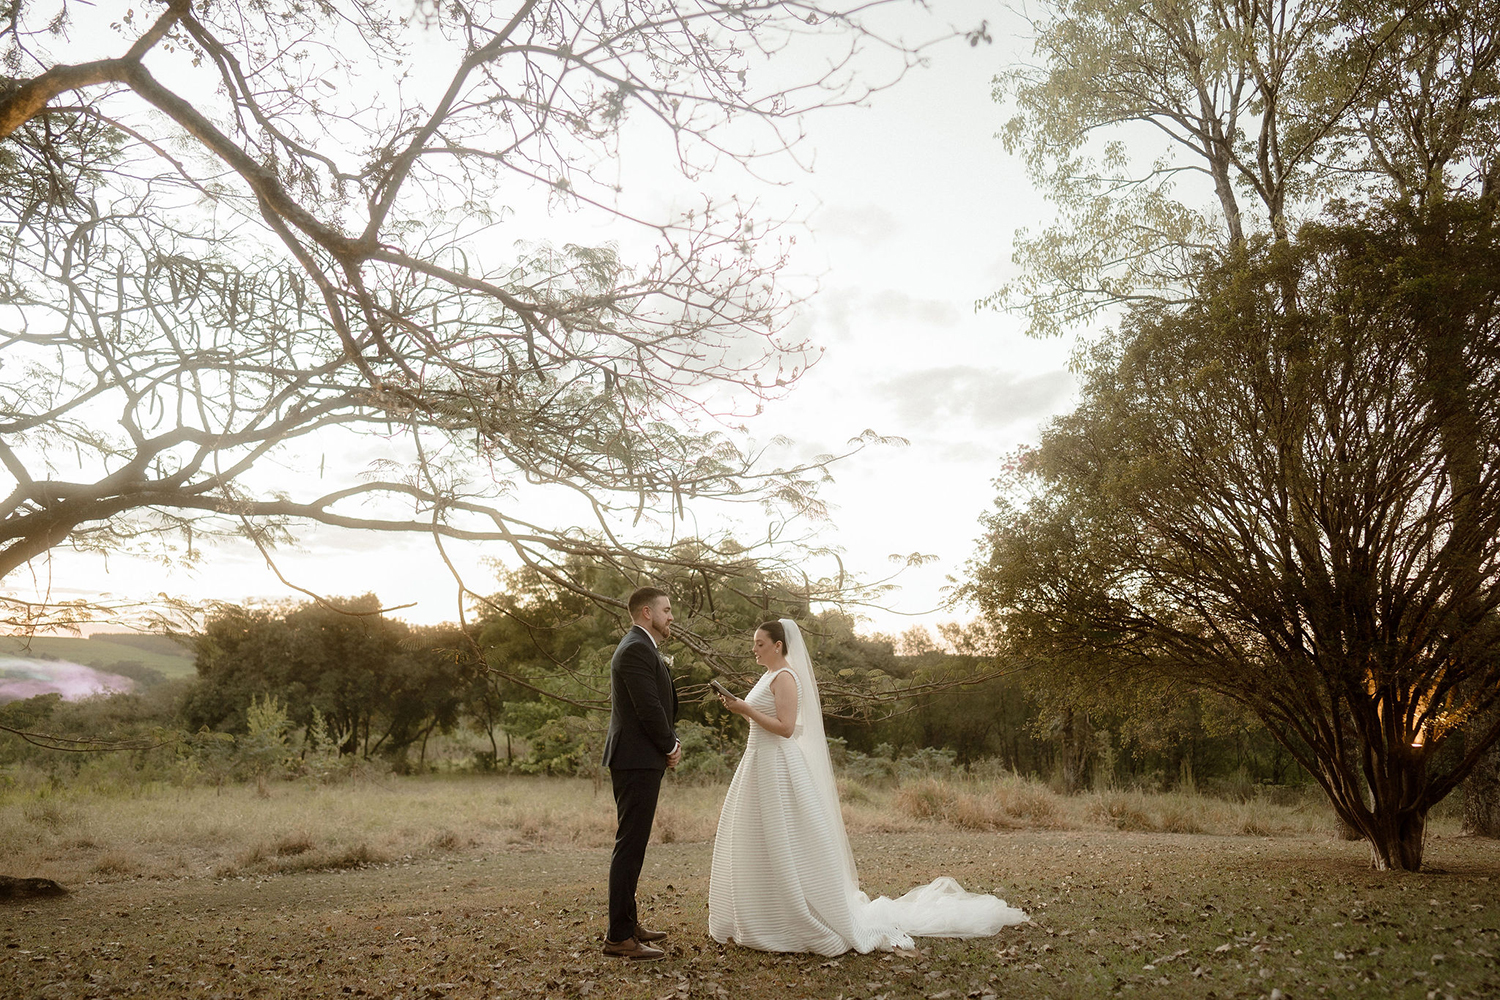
point(891, 303)
point(988, 398)
point(863, 223)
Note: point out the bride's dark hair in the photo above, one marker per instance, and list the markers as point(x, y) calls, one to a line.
point(776, 631)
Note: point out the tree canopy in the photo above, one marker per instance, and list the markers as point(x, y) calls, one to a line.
point(1164, 131)
point(240, 237)
point(379, 684)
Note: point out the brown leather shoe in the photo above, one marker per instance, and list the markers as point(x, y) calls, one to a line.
point(631, 948)
point(645, 936)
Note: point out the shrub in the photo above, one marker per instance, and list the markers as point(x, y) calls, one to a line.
point(1121, 812)
point(322, 758)
point(926, 762)
point(264, 750)
point(568, 745)
point(705, 759)
point(1027, 800)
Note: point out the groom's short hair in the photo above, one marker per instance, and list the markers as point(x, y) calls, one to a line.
point(643, 597)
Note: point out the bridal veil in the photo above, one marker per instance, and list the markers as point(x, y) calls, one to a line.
point(941, 908)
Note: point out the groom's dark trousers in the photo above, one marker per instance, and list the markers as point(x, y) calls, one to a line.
point(643, 707)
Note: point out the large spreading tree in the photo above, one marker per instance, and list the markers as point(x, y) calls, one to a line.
point(1254, 496)
point(241, 236)
point(1168, 133)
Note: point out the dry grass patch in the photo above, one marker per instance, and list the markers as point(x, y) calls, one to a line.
point(48, 812)
point(1034, 803)
point(116, 864)
point(1119, 812)
point(291, 844)
point(178, 832)
point(169, 832)
point(936, 801)
point(297, 853)
point(1009, 803)
point(447, 840)
point(1185, 812)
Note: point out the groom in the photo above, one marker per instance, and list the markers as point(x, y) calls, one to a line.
point(640, 746)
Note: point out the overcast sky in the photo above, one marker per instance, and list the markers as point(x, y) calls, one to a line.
point(912, 207)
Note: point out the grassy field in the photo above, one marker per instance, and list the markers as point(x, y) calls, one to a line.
point(491, 887)
point(103, 650)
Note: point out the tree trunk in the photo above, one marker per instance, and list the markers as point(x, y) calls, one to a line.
point(1396, 841)
point(1347, 830)
point(1072, 750)
point(1482, 786)
point(1395, 834)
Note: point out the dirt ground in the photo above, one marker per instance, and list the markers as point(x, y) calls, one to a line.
point(1151, 915)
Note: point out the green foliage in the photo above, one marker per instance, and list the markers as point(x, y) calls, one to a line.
point(548, 650)
point(273, 684)
point(565, 745)
point(322, 759)
point(264, 748)
point(1258, 115)
point(708, 755)
point(381, 684)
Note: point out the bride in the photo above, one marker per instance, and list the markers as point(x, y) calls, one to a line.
point(783, 876)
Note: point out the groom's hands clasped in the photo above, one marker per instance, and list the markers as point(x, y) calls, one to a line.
point(675, 757)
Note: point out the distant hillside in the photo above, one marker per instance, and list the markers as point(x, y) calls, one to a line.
point(166, 645)
point(106, 650)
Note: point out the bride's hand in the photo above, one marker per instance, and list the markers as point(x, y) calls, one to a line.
point(735, 705)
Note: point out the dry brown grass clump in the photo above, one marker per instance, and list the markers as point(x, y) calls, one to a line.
point(115, 863)
point(1011, 802)
point(297, 853)
point(1035, 803)
point(448, 840)
point(933, 800)
point(294, 843)
point(1189, 812)
point(1005, 804)
point(1120, 812)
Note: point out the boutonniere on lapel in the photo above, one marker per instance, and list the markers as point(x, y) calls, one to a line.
point(668, 659)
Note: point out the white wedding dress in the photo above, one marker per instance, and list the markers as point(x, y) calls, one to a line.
point(783, 876)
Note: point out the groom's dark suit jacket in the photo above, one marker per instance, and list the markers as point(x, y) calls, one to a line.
point(643, 706)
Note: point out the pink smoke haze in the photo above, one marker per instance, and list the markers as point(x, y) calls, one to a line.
point(20, 678)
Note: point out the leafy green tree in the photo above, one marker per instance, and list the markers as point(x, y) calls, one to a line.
point(1254, 497)
point(1164, 131)
point(381, 684)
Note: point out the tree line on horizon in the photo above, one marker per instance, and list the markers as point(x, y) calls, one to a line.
point(524, 689)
